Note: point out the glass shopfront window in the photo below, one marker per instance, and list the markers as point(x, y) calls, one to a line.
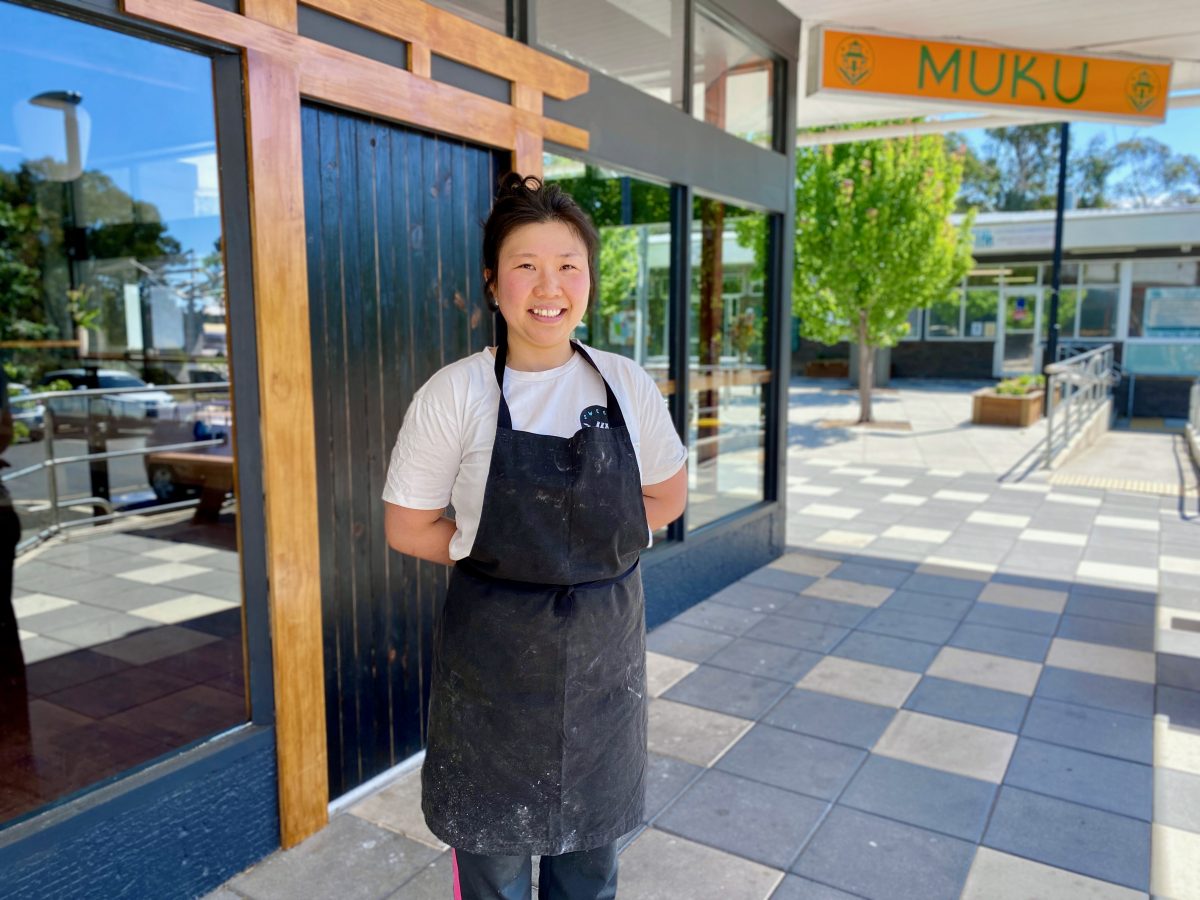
point(120, 620)
point(733, 84)
point(634, 41)
point(1165, 301)
point(632, 312)
point(728, 332)
point(491, 14)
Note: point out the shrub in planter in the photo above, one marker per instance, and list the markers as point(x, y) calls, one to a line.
point(1014, 401)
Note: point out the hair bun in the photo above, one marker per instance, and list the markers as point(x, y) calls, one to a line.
point(514, 184)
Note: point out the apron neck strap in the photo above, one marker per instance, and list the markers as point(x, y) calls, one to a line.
point(616, 419)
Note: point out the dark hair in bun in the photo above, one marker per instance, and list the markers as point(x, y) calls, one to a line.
point(525, 200)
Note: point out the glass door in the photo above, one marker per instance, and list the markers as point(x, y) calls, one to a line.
point(1018, 352)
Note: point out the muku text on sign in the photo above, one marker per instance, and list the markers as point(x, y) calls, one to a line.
point(1086, 87)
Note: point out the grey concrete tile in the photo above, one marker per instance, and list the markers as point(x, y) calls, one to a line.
point(753, 820)
point(911, 626)
point(830, 717)
point(798, 633)
point(719, 617)
point(961, 588)
point(1175, 670)
point(794, 762)
point(1126, 595)
point(685, 642)
point(664, 671)
point(666, 777)
point(1091, 729)
point(883, 576)
point(921, 603)
point(349, 859)
point(1023, 595)
point(939, 801)
point(947, 745)
point(792, 582)
point(1118, 662)
point(832, 612)
point(1110, 610)
point(1114, 785)
point(225, 585)
point(848, 592)
point(63, 617)
point(885, 860)
point(986, 707)
point(752, 597)
point(1177, 799)
point(804, 564)
point(766, 660)
point(725, 691)
point(857, 680)
point(1001, 641)
point(398, 808)
point(1135, 698)
point(986, 670)
point(1096, 843)
point(434, 882)
point(1181, 707)
point(1002, 876)
point(796, 888)
point(661, 866)
point(1114, 634)
point(1031, 621)
point(694, 735)
point(110, 626)
point(897, 653)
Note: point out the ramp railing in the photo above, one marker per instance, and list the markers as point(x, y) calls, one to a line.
point(1076, 390)
point(1193, 423)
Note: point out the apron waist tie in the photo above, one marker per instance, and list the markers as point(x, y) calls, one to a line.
point(565, 591)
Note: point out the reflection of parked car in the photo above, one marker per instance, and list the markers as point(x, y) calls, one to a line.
point(131, 411)
point(182, 473)
point(27, 411)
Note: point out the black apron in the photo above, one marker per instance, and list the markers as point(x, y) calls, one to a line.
point(537, 713)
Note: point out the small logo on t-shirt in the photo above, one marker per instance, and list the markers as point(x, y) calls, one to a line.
point(594, 417)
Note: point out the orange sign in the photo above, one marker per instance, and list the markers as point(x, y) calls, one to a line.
point(1087, 87)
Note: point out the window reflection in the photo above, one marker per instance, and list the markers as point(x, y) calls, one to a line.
point(488, 13)
point(728, 330)
point(639, 42)
point(733, 84)
point(631, 315)
point(120, 627)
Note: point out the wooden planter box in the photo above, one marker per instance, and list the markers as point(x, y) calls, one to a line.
point(827, 368)
point(990, 408)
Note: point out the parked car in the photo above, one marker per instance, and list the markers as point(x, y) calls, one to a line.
point(184, 472)
point(133, 411)
point(31, 413)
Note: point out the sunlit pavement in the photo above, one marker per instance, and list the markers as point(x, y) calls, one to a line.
point(950, 686)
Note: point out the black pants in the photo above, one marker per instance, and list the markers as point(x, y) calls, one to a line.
point(585, 875)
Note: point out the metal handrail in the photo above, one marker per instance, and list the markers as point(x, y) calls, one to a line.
point(51, 463)
point(1194, 408)
point(1075, 389)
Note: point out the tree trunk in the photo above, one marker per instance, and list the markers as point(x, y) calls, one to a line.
point(866, 373)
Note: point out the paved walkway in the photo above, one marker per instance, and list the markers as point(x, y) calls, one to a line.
point(950, 687)
point(938, 413)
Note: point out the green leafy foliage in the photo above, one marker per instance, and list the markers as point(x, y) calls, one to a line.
point(873, 239)
point(1021, 385)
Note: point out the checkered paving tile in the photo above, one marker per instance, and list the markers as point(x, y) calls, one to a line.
point(947, 687)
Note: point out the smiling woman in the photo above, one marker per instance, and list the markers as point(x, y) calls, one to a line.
point(559, 461)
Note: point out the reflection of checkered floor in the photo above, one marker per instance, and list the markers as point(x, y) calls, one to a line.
point(91, 591)
point(132, 642)
point(948, 688)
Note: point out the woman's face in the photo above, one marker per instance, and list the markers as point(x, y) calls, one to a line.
point(541, 285)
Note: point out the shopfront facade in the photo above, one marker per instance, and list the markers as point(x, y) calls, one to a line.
point(1130, 277)
point(236, 238)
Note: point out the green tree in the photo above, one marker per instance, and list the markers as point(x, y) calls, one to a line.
point(1154, 175)
point(874, 241)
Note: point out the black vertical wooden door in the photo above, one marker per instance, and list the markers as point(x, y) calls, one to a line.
point(393, 224)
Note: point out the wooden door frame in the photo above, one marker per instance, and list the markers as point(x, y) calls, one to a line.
point(280, 68)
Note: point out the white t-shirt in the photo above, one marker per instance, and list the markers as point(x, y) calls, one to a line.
point(444, 450)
